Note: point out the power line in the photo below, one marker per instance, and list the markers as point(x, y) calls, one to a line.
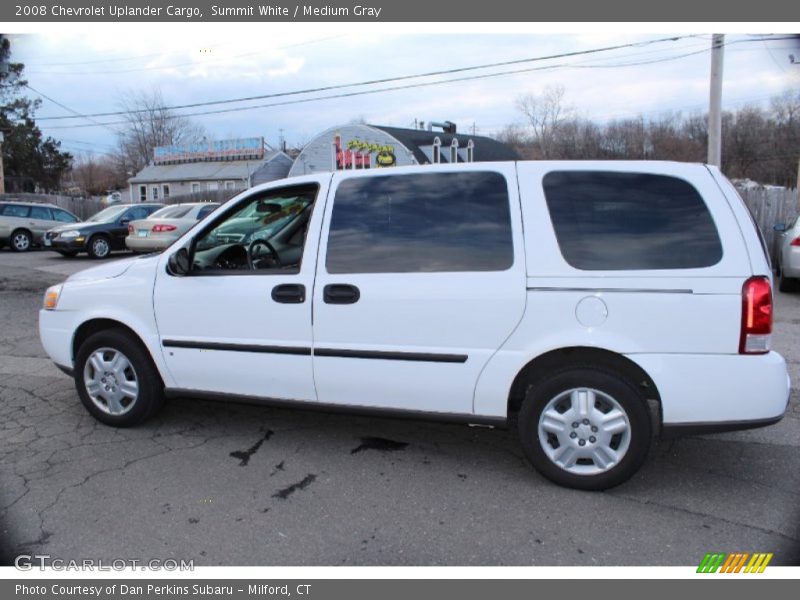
point(380, 90)
point(387, 79)
point(402, 87)
point(57, 103)
point(407, 77)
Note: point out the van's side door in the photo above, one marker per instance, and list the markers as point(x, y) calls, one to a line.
point(420, 279)
point(242, 326)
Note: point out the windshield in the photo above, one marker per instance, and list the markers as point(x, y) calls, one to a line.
point(107, 215)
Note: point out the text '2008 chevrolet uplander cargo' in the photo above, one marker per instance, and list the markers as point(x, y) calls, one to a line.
point(595, 301)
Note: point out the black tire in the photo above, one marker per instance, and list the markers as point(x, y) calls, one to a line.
point(21, 240)
point(787, 285)
point(68, 253)
point(611, 385)
point(150, 394)
point(99, 246)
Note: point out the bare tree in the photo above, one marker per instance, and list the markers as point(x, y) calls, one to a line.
point(545, 113)
point(148, 124)
point(95, 175)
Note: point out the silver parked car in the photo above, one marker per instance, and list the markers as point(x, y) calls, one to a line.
point(788, 256)
point(166, 225)
point(23, 224)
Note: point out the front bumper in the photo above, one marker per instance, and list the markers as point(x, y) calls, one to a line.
point(72, 244)
point(56, 329)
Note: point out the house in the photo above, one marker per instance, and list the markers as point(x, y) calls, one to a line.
point(358, 146)
point(223, 165)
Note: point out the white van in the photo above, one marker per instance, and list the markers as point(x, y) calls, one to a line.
point(596, 303)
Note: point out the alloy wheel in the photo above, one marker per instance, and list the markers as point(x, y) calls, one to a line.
point(111, 381)
point(584, 431)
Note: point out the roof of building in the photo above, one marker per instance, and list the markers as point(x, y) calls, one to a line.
point(417, 140)
point(212, 170)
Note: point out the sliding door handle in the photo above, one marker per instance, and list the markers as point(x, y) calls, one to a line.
point(340, 293)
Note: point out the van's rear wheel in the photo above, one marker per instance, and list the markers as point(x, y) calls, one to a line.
point(116, 379)
point(585, 428)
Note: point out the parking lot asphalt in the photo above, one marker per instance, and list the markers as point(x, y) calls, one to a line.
point(232, 484)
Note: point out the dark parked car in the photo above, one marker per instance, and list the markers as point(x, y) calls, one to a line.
point(100, 234)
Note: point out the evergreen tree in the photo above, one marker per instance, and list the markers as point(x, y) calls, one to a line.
point(31, 161)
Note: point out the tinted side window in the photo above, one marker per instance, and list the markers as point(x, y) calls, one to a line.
point(140, 212)
point(15, 210)
point(63, 216)
point(41, 212)
point(421, 223)
point(627, 221)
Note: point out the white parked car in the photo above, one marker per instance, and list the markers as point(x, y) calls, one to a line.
point(598, 302)
point(788, 256)
point(163, 227)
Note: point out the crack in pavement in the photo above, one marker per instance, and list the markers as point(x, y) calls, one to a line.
point(244, 455)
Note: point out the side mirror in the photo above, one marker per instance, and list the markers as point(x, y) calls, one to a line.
point(780, 227)
point(179, 263)
point(124, 221)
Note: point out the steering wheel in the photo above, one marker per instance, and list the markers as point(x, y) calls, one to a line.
point(252, 259)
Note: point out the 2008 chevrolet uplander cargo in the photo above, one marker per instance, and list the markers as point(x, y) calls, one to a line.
point(597, 301)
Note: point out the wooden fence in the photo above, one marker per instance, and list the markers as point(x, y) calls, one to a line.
point(770, 206)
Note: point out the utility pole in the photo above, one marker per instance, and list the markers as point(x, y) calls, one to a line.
point(2, 175)
point(3, 76)
point(715, 102)
point(797, 185)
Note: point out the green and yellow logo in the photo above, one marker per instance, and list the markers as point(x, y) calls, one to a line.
point(735, 562)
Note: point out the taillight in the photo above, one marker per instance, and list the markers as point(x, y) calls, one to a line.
point(130, 229)
point(756, 316)
point(795, 241)
point(162, 228)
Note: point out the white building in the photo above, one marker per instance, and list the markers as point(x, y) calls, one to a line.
point(228, 165)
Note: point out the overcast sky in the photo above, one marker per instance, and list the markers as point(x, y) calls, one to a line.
point(91, 70)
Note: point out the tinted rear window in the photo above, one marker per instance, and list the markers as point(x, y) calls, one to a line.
point(172, 212)
point(430, 222)
point(629, 221)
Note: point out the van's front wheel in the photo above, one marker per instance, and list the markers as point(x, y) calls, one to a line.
point(116, 379)
point(585, 428)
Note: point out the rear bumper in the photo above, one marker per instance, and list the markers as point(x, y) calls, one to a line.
point(790, 265)
point(701, 393)
point(682, 429)
point(148, 244)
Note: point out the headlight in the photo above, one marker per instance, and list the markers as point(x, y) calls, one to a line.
point(70, 234)
point(51, 297)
